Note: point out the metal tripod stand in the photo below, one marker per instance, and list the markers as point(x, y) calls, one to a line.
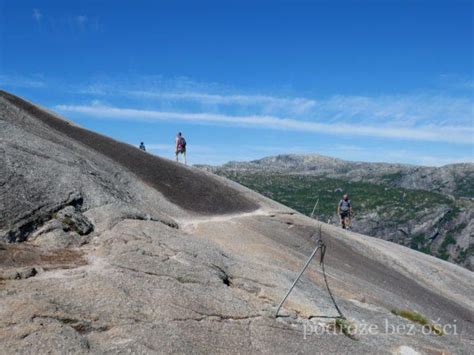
point(319, 246)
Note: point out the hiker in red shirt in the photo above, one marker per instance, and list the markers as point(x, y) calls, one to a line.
point(180, 146)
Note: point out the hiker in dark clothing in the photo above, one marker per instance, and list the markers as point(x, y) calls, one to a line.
point(180, 145)
point(142, 146)
point(344, 210)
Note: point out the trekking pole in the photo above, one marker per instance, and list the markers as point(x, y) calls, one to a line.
point(301, 273)
point(351, 216)
point(314, 209)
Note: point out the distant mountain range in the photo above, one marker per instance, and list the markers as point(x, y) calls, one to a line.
point(454, 179)
point(426, 208)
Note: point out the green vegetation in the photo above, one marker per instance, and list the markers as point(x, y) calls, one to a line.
point(443, 250)
point(450, 215)
point(393, 178)
point(345, 327)
point(463, 254)
point(418, 318)
point(69, 223)
point(410, 315)
point(396, 205)
point(449, 240)
point(418, 242)
point(464, 186)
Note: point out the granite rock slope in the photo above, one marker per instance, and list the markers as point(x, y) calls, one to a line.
point(107, 249)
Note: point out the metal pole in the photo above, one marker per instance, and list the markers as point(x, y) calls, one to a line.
point(315, 205)
point(294, 283)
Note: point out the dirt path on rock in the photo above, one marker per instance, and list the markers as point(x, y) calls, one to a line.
point(188, 224)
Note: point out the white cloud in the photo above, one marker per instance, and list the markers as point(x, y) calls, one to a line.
point(22, 81)
point(81, 21)
point(37, 15)
point(423, 116)
point(182, 90)
point(297, 104)
point(457, 82)
point(440, 161)
point(178, 94)
point(402, 109)
point(428, 132)
point(71, 22)
point(95, 89)
point(409, 109)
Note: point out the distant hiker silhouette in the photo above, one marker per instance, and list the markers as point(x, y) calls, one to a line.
point(180, 146)
point(142, 146)
point(344, 210)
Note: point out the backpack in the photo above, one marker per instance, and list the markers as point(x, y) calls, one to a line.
point(344, 205)
point(183, 142)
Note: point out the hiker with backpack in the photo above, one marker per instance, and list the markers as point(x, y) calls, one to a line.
point(344, 210)
point(142, 146)
point(180, 146)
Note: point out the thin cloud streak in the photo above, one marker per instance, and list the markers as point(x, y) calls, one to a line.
point(72, 22)
point(402, 109)
point(21, 81)
point(302, 104)
point(37, 15)
point(81, 21)
point(451, 134)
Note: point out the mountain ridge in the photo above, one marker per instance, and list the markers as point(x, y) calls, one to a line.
point(318, 164)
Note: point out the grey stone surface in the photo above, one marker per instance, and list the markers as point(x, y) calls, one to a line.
point(18, 273)
point(74, 220)
point(154, 276)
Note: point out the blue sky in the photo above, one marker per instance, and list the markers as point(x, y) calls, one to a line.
point(359, 80)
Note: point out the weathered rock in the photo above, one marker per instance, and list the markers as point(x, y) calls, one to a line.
point(107, 216)
point(74, 220)
point(68, 227)
point(18, 274)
